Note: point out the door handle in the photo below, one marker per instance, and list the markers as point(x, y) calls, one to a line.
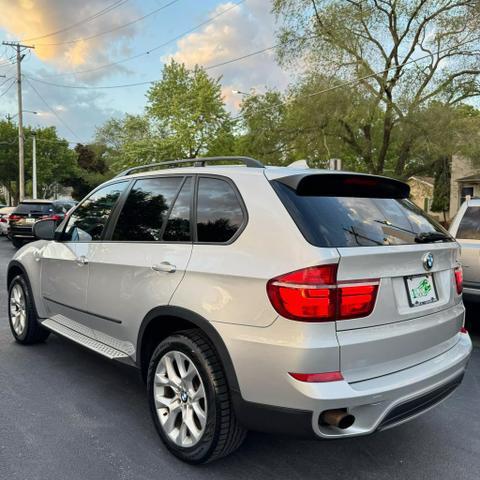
point(82, 260)
point(164, 267)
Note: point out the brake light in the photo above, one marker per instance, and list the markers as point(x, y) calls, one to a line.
point(317, 377)
point(459, 279)
point(314, 295)
point(13, 217)
point(3, 220)
point(52, 217)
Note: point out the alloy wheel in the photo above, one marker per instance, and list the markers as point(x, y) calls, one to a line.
point(180, 399)
point(18, 311)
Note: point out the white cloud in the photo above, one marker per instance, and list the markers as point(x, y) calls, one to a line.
point(238, 32)
point(30, 20)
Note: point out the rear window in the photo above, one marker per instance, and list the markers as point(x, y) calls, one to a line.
point(327, 221)
point(34, 208)
point(469, 227)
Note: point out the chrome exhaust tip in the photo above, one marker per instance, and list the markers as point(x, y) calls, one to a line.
point(337, 418)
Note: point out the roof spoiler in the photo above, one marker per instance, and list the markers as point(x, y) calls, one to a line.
point(345, 185)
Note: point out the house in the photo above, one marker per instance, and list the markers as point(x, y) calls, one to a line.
point(421, 192)
point(465, 181)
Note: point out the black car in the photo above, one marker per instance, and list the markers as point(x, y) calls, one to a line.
point(28, 212)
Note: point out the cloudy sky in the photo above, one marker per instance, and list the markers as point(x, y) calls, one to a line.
point(77, 41)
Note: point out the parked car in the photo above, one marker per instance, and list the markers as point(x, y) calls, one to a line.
point(299, 301)
point(4, 214)
point(28, 212)
point(466, 229)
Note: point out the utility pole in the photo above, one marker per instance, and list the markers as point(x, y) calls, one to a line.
point(21, 154)
point(34, 166)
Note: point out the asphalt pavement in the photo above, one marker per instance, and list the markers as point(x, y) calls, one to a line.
point(67, 414)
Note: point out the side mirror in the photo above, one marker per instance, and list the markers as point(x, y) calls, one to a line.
point(45, 229)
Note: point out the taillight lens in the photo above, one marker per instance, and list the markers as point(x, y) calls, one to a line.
point(459, 279)
point(14, 218)
point(3, 220)
point(314, 295)
point(52, 217)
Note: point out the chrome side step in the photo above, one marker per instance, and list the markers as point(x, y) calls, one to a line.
point(85, 341)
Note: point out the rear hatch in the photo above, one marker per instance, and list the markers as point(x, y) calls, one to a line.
point(381, 236)
point(27, 213)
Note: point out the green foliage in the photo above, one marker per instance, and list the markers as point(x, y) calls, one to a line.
point(91, 169)
point(188, 112)
point(441, 190)
point(55, 161)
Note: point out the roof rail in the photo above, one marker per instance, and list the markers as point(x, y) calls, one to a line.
point(197, 162)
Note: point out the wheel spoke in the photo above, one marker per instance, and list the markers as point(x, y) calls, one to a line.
point(199, 413)
point(190, 423)
point(171, 373)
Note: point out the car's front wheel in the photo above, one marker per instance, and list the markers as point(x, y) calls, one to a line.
point(21, 313)
point(189, 399)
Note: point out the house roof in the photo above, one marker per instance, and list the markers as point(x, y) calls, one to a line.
point(471, 178)
point(428, 180)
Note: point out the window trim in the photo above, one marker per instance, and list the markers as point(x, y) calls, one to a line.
point(62, 227)
point(107, 233)
point(232, 184)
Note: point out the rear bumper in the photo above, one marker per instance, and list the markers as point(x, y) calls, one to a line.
point(377, 404)
point(25, 233)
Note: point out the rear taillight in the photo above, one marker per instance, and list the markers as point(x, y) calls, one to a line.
point(3, 220)
point(459, 279)
point(14, 218)
point(314, 295)
point(52, 217)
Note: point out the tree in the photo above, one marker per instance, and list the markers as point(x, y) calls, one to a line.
point(188, 113)
point(9, 156)
point(91, 169)
point(441, 189)
point(378, 44)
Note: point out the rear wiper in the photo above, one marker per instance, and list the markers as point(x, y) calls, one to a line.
point(427, 237)
point(390, 224)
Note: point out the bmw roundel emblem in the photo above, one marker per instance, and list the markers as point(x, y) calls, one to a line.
point(428, 261)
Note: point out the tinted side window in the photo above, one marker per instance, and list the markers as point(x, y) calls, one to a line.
point(219, 214)
point(469, 227)
point(88, 221)
point(178, 224)
point(146, 208)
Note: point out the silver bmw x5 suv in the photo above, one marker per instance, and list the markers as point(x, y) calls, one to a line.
point(310, 302)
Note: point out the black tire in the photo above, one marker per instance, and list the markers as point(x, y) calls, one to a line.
point(33, 332)
point(223, 434)
point(17, 243)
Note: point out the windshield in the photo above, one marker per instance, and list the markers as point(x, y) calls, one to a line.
point(356, 222)
point(34, 208)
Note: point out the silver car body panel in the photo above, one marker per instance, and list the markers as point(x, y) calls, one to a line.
point(396, 353)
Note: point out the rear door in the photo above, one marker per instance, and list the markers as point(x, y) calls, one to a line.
point(140, 264)
point(382, 238)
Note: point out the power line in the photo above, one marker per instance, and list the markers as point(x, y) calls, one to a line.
point(8, 88)
point(148, 82)
point(83, 39)
point(366, 77)
point(153, 49)
point(60, 119)
point(105, 10)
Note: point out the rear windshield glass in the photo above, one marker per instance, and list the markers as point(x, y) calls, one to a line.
point(469, 227)
point(355, 222)
point(26, 208)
